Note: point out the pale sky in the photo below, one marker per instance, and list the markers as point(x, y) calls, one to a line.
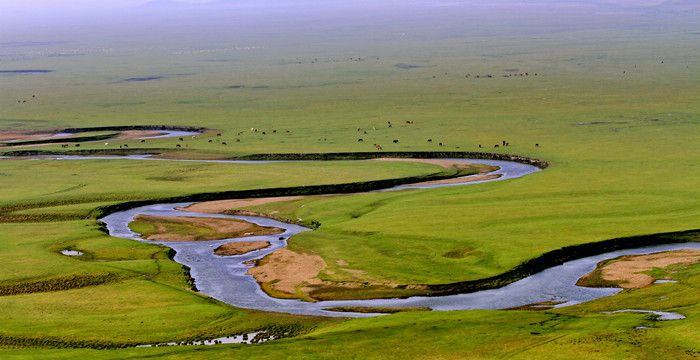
point(14, 5)
point(41, 11)
point(106, 4)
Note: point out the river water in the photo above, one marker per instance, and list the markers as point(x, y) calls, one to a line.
point(225, 278)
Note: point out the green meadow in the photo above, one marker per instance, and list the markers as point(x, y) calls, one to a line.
point(613, 104)
point(558, 334)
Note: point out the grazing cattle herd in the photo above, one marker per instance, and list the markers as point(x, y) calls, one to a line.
point(182, 140)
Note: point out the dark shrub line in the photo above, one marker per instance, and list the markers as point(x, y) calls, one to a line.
point(85, 152)
point(56, 284)
point(347, 188)
point(58, 343)
point(398, 154)
point(270, 332)
point(133, 127)
point(562, 255)
point(75, 139)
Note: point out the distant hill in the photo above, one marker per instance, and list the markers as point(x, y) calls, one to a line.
point(681, 5)
point(653, 5)
point(164, 4)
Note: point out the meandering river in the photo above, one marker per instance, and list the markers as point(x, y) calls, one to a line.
point(225, 278)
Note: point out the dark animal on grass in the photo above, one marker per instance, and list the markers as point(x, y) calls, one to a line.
point(360, 140)
point(430, 140)
point(440, 144)
point(77, 145)
point(496, 146)
point(224, 143)
point(504, 142)
point(537, 145)
point(210, 140)
point(396, 141)
point(219, 134)
point(389, 125)
point(181, 139)
point(143, 141)
point(238, 140)
point(479, 146)
point(264, 133)
point(178, 145)
point(126, 146)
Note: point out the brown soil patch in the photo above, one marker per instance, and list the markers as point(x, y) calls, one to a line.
point(446, 163)
point(377, 310)
point(628, 271)
point(287, 274)
point(451, 164)
point(544, 305)
point(239, 248)
point(459, 180)
point(220, 206)
point(24, 135)
point(213, 229)
point(284, 270)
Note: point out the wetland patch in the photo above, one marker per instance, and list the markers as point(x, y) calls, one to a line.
point(25, 72)
point(144, 78)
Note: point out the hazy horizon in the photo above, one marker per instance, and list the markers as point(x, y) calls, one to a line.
point(72, 20)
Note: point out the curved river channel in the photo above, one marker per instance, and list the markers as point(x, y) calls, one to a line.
point(224, 277)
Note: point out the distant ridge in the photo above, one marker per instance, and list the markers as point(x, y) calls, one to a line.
point(680, 5)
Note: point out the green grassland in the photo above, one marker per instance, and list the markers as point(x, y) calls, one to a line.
point(619, 128)
point(70, 189)
point(558, 334)
point(143, 288)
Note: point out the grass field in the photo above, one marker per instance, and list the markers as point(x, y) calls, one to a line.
point(615, 108)
point(557, 334)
